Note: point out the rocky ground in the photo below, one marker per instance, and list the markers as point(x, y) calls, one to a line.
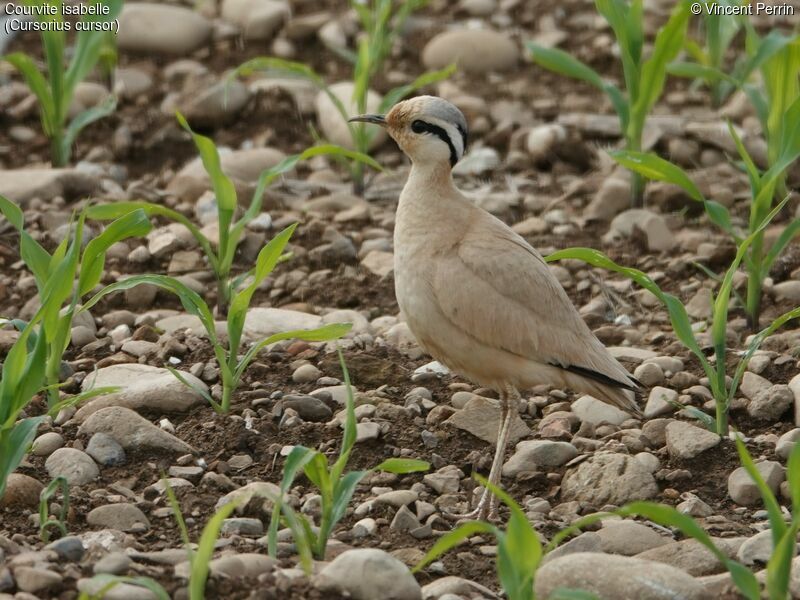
point(537, 161)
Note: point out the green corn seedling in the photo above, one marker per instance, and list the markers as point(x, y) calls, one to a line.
point(55, 87)
point(722, 392)
point(644, 78)
point(763, 185)
point(56, 274)
point(22, 377)
point(230, 229)
point(336, 487)
point(232, 365)
point(718, 33)
point(519, 550)
point(200, 558)
point(45, 521)
point(381, 22)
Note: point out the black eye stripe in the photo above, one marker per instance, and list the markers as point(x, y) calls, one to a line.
point(425, 127)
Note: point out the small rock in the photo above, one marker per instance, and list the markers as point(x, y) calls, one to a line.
point(69, 548)
point(113, 563)
point(685, 441)
point(652, 225)
point(122, 516)
point(743, 490)
point(481, 417)
point(534, 454)
point(334, 127)
point(259, 20)
point(785, 444)
point(474, 50)
point(591, 410)
point(73, 465)
point(105, 450)
point(660, 401)
point(47, 443)
point(156, 28)
point(369, 574)
point(610, 576)
point(629, 537)
point(131, 431)
point(771, 403)
point(757, 550)
point(21, 491)
point(307, 373)
point(35, 579)
point(608, 478)
point(242, 526)
point(691, 557)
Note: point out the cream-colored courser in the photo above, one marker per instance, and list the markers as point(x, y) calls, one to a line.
point(476, 295)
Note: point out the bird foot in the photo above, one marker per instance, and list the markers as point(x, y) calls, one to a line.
point(485, 511)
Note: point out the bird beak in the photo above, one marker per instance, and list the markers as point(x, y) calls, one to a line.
point(374, 119)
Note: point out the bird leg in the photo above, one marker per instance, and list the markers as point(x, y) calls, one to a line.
point(487, 505)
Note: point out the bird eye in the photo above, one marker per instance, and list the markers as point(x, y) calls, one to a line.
point(418, 126)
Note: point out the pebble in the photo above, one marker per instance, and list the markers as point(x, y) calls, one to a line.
point(757, 550)
point(685, 441)
point(533, 455)
point(770, 404)
point(629, 537)
point(369, 574)
point(743, 490)
point(242, 526)
point(611, 576)
point(121, 591)
point(785, 443)
point(69, 548)
point(308, 407)
point(155, 28)
point(608, 478)
point(105, 450)
point(259, 20)
point(481, 417)
point(122, 516)
point(21, 491)
point(652, 225)
point(333, 126)
point(131, 431)
point(47, 443)
point(691, 557)
point(367, 431)
point(397, 498)
point(75, 466)
point(365, 527)
point(593, 411)
point(307, 373)
point(35, 579)
point(660, 401)
point(649, 374)
point(113, 563)
point(142, 387)
point(474, 50)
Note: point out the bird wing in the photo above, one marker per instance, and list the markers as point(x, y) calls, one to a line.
point(493, 285)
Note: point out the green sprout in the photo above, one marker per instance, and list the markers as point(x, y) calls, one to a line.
point(644, 78)
point(381, 22)
point(232, 365)
point(336, 487)
point(45, 520)
point(722, 390)
point(230, 229)
point(55, 275)
point(55, 89)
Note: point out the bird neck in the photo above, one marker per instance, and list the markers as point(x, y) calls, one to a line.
point(436, 177)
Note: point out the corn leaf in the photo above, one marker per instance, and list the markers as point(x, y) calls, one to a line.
point(401, 466)
point(452, 539)
point(205, 550)
point(14, 443)
point(85, 118)
point(777, 526)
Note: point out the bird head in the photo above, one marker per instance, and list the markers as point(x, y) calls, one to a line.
point(428, 129)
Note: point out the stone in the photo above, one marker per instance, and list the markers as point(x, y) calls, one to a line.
point(210, 102)
point(69, 548)
point(591, 410)
point(533, 455)
point(473, 50)
point(756, 550)
point(233, 566)
point(262, 322)
point(452, 587)
point(369, 574)
point(542, 140)
point(404, 520)
point(113, 563)
point(132, 431)
point(259, 20)
point(21, 491)
point(81, 336)
point(691, 557)
point(481, 417)
point(333, 125)
point(142, 387)
point(309, 408)
point(22, 185)
point(130, 82)
point(446, 480)
point(787, 290)
point(660, 401)
point(307, 373)
point(608, 478)
point(121, 591)
point(612, 197)
point(701, 304)
point(771, 403)
point(242, 526)
point(245, 494)
point(652, 225)
point(397, 498)
point(36, 579)
point(367, 431)
point(685, 441)
point(378, 262)
point(629, 537)
point(743, 490)
point(785, 443)
point(752, 385)
point(106, 450)
point(631, 354)
point(122, 516)
point(617, 577)
point(73, 465)
point(649, 374)
point(794, 385)
point(155, 28)
point(47, 443)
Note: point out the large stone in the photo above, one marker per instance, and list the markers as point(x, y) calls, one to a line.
point(612, 577)
point(608, 478)
point(142, 387)
point(261, 322)
point(243, 167)
point(122, 516)
point(121, 591)
point(591, 410)
point(22, 185)
point(334, 127)
point(692, 557)
point(686, 441)
point(75, 466)
point(660, 400)
point(481, 417)
point(533, 455)
point(132, 431)
point(208, 102)
point(369, 574)
point(259, 20)
point(629, 537)
point(21, 491)
point(474, 50)
point(770, 404)
point(156, 28)
point(742, 489)
point(233, 566)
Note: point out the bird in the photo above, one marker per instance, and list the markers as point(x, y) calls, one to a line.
point(476, 295)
